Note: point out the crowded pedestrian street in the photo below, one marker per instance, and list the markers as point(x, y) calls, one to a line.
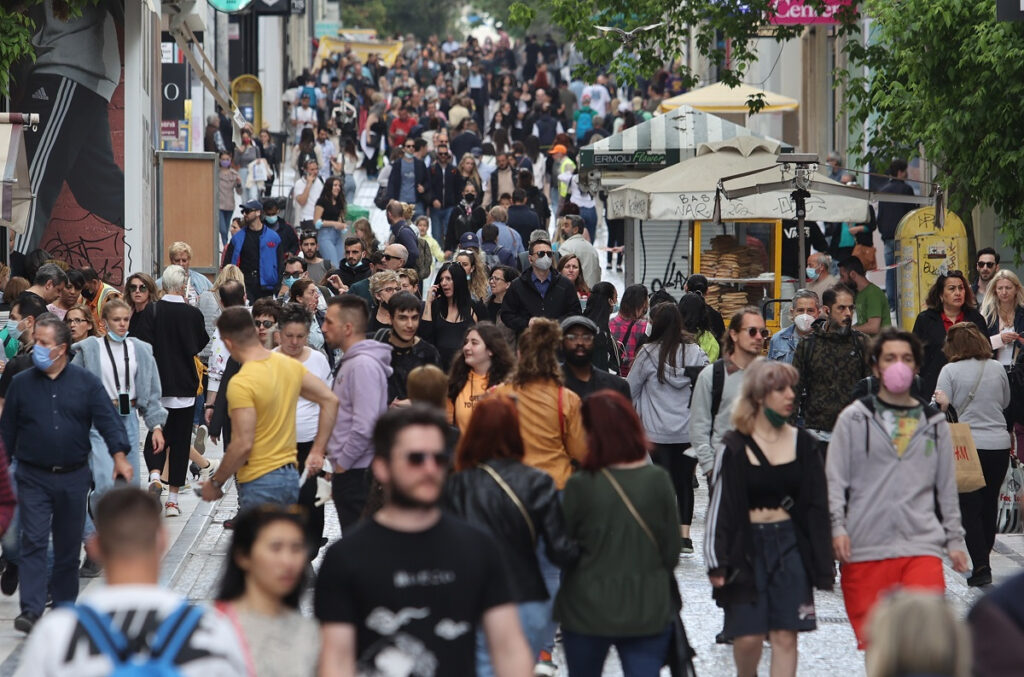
point(448, 340)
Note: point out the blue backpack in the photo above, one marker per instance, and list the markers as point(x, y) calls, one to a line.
point(131, 661)
point(584, 123)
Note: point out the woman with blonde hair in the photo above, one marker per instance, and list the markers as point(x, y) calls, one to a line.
point(917, 633)
point(383, 286)
point(1003, 310)
point(472, 261)
point(80, 320)
point(468, 173)
point(364, 232)
point(978, 390)
point(769, 536)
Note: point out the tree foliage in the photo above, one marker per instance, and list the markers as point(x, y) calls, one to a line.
point(16, 30)
point(945, 80)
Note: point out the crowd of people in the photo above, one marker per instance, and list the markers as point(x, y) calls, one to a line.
point(510, 447)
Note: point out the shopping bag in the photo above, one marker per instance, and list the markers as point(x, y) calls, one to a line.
point(965, 455)
point(1008, 517)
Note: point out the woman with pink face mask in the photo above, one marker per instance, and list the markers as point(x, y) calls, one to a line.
point(890, 476)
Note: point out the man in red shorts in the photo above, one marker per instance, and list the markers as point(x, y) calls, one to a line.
point(889, 466)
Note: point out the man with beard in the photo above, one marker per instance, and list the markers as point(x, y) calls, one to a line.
point(409, 586)
point(578, 336)
point(256, 250)
point(355, 267)
point(831, 361)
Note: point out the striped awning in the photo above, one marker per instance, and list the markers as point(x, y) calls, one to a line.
point(662, 141)
point(15, 188)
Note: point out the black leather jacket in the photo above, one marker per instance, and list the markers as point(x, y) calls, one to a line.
point(476, 497)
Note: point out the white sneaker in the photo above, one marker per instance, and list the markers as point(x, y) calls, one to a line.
point(171, 510)
point(206, 473)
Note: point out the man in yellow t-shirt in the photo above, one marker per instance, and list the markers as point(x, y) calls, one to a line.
point(261, 400)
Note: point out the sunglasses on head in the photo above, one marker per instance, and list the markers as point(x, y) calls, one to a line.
point(754, 331)
point(266, 324)
point(418, 458)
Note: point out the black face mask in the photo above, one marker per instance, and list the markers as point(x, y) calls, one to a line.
point(469, 199)
point(88, 294)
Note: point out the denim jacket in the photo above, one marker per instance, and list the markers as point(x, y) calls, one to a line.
point(783, 345)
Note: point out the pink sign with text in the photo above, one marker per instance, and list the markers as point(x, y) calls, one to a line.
point(788, 12)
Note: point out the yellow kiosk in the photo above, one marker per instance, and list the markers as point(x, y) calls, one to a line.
point(247, 92)
point(922, 248)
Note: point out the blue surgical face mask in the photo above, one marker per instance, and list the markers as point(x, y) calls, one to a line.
point(290, 280)
point(615, 308)
point(469, 276)
point(812, 273)
point(41, 357)
point(115, 337)
point(408, 154)
point(271, 219)
point(12, 329)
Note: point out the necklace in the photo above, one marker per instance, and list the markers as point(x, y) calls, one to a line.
point(767, 439)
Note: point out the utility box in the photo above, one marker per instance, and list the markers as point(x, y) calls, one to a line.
point(247, 92)
point(922, 251)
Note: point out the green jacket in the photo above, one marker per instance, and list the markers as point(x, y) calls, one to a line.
point(830, 364)
point(622, 584)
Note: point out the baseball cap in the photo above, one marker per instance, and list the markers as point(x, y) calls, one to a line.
point(251, 206)
point(578, 321)
point(558, 148)
point(469, 239)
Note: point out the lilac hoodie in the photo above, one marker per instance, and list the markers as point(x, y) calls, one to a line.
point(362, 389)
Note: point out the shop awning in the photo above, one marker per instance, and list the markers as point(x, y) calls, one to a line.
point(15, 187)
point(686, 192)
point(721, 98)
point(662, 141)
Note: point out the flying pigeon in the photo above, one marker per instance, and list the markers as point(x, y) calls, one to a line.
point(627, 37)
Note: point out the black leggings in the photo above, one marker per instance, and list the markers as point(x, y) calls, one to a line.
point(616, 237)
point(680, 468)
point(307, 497)
point(978, 509)
point(178, 441)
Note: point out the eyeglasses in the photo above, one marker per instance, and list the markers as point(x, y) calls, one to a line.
point(986, 264)
point(418, 458)
point(389, 257)
point(443, 155)
point(585, 339)
point(266, 324)
point(542, 254)
point(132, 288)
point(77, 320)
point(754, 331)
point(389, 290)
point(495, 278)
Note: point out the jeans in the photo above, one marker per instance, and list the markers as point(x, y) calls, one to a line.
point(225, 225)
point(350, 490)
point(277, 487)
point(552, 576)
point(589, 216)
point(331, 244)
point(640, 656)
point(102, 464)
point(890, 274)
point(350, 189)
point(533, 617)
point(439, 222)
point(52, 503)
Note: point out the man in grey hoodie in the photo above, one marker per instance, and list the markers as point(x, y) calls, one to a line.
point(890, 475)
point(362, 389)
point(744, 342)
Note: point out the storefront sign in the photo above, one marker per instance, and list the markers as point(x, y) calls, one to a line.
point(634, 158)
point(792, 12)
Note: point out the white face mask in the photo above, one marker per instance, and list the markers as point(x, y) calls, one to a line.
point(803, 322)
point(543, 263)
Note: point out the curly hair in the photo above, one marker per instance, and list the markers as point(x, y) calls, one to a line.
point(538, 353)
point(502, 359)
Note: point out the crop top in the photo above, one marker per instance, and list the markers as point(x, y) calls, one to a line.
point(769, 485)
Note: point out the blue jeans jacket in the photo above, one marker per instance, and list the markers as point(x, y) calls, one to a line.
point(783, 345)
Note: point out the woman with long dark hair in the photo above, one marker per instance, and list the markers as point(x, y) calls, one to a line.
point(450, 310)
point(259, 593)
point(661, 382)
point(484, 362)
point(570, 266)
point(602, 302)
point(622, 512)
point(329, 219)
point(697, 322)
point(629, 327)
point(950, 301)
point(516, 504)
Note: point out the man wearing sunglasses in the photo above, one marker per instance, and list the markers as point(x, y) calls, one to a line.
point(831, 361)
point(409, 181)
point(444, 188)
point(987, 265)
point(539, 292)
point(413, 583)
point(393, 258)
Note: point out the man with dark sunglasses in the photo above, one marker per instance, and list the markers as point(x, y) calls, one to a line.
point(393, 258)
point(539, 292)
point(409, 181)
point(831, 361)
point(413, 584)
point(987, 265)
point(444, 187)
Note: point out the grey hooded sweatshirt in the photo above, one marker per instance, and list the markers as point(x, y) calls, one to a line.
point(664, 407)
point(887, 503)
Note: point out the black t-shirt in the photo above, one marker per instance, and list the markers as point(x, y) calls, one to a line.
point(249, 260)
point(421, 595)
point(599, 380)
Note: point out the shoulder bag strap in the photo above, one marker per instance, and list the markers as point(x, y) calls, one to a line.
point(974, 390)
point(561, 413)
point(758, 452)
point(228, 610)
point(515, 499)
point(629, 506)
